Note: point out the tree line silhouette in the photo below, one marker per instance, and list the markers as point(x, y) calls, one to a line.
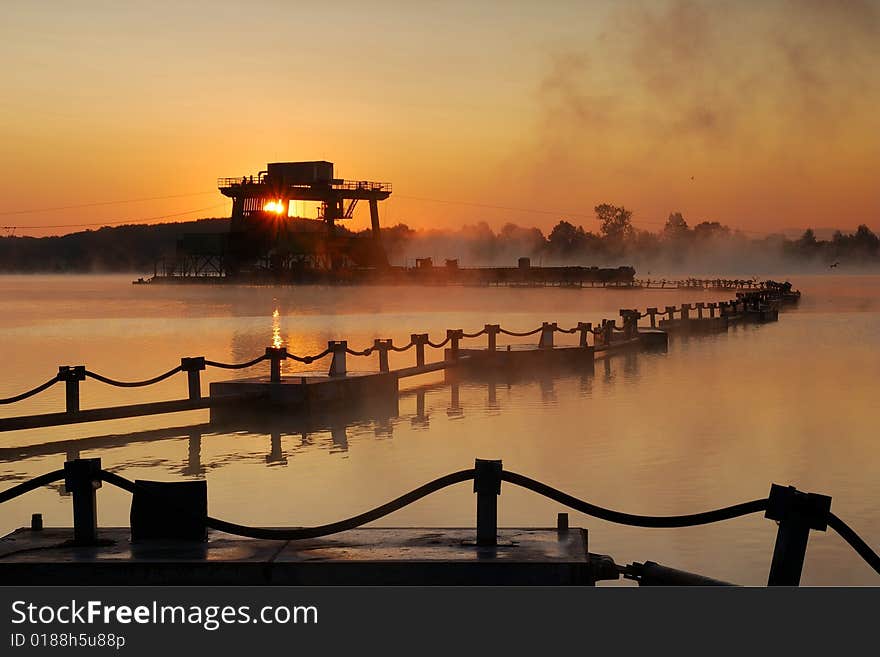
point(708, 244)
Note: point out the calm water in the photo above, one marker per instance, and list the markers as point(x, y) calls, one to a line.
point(712, 422)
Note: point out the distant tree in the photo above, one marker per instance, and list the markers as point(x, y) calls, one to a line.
point(616, 222)
point(526, 241)
point(676, 227)
point(710, 230)
point(566, 238)
point(865, 242)
point(808, 240)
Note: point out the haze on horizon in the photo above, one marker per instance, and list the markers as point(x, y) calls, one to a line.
point(762, 116)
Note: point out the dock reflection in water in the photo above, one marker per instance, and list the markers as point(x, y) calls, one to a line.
point(712, 422)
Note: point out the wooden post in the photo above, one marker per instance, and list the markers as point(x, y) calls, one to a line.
point(546, 339)
point(82, 477)
point(382, 347)
point(561, 522)
point(607, 331)
point(685, 310)
point(337, 365)
point(72, 375)
point(455, 336)
point(670, 312)
point(275, 355)
point(492, 335)
point(192, 367)
point(652, 313)
point(419, 340)
point(700, 306)
point(585, 328)
point(630, 322)
point(712, 307)
point(487, 486)
point(797, 513)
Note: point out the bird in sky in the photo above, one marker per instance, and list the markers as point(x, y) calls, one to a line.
point(834, 265)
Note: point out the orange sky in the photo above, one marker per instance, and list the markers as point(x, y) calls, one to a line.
point(760, 115)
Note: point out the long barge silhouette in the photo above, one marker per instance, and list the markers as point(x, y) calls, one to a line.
point(266, 245)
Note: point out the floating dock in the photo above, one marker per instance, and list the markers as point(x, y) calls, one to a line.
point(339, 386)
point(173, 541)
point(359, 557)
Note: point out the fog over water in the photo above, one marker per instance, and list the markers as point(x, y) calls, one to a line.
point(711, 422)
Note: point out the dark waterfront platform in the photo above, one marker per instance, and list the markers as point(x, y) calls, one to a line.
point(523, 356)
point(695, 325)
point(304, 391)
point(365, 556)
point(654, 338)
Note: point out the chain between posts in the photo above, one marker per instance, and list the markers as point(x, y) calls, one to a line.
point(796, 512)
point(72, 376)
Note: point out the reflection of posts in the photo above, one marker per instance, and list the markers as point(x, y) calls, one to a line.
point(420, 419)
point(339, 437)
point(493, 395)
point(276, 454)
point(454, 409)
point(194, 454)
point(548, 391)
point(383, 428)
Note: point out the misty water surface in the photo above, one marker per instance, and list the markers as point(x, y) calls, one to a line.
point(712, 422)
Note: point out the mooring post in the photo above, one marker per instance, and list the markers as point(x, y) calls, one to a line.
point(487, 486)
point(82, 477)
point(72, 375)
point(797, 513)
point(562, 522)
point(455, 336)
point(492, 335)
point(685, 310)
point(275, 356)
point(700, 306)
point(546, 339)
point(382, 347)
point(192, 367)
point(584, 328)
point(670, 312)
point(711, 307)
point(630, 319)
point(652, 313)
point(419, 340)
point(337, 365)
point(608, 331)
